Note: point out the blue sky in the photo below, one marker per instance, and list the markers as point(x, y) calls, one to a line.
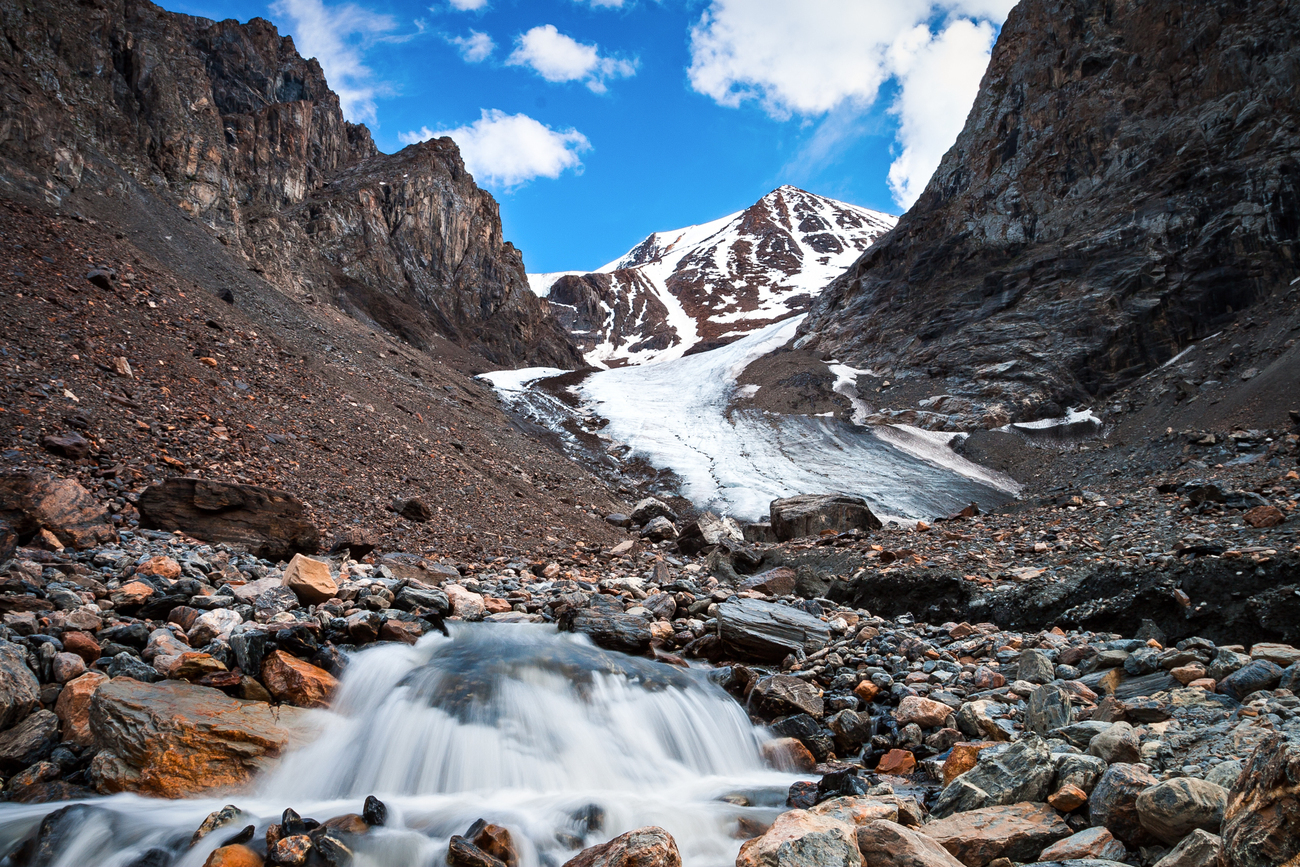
point(597, 122)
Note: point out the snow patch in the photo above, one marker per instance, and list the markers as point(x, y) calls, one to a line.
point(515, 381)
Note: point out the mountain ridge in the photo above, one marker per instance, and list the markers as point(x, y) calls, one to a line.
point(699, 287)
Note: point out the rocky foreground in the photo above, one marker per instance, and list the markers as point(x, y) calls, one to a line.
point(151, 661)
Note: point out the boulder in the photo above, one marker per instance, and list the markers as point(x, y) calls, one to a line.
point(1035, 666)
point(20, 691)
point(299, 683)
point(33, 500)
point(1117, 744)
point(465, 604)
point(1047, 709)
point(73, 707)
point(810, 514)
point(782, 694)
point(774, 582)
point(650, 508)
point(800, 839)
point(925, 712)
point(175, 739)
point(28, 742)
point(1173, 809)
point(709, 530)
point(235, 855)
point(659, 530)
point(888, 844)
point(788, 754)
point(1256, 675)
point(1088, 843)
point(1022, 772)
point(769, 632)
point(644, 847)
point(413, 509)
point(1280, 654)
point(626, 632)
point(1015, 831)
point(310, 580)
point(1261, 822)
point(268, 523)
point(1198, 849)
point(1113, 803)
point(856, 811)
point(208, 627)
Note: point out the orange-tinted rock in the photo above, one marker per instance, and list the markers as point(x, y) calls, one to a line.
point(291, 851)
point(193, 666)
point(1264, 516)
point(36, 500)
point(163, 567)
point(644, 847)
point(789, 754)
point(497, 842)
point(296, 682)
point(81, 644)
point(1068, 798)
point(961, 759)
point(1208, 684)
point(888, 844)
point(896, 762)
point(131, 595)
point(174, 739)
point(1091, 843)
point(400, 630)
point(495, 605)
point(857, 811)
point(1185, 674)
point(867, 691)
point(73, 707)
point(352, 823)
point(233, 856)
point(925, 712)
point(310, 580)
point(1017, 831)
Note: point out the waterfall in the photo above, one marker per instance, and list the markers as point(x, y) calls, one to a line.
point(565, 744)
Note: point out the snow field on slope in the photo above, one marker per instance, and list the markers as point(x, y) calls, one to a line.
point(676, 415)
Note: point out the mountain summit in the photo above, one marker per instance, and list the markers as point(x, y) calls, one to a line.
point(701, 287)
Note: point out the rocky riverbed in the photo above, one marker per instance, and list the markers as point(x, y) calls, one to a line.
point(1114, 728)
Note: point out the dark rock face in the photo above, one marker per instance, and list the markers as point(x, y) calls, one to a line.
point(767, 631)
point(1261, 824)
point(36, 500)
point(232, 124)
point(809, 514)
point(270, 524)
point(1128, 180)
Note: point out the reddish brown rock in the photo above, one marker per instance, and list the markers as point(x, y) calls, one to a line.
point(1088, 843)
point(1016, 831)
point(81, 644)
point(233, 856)
point(194, 666)
point(270, 524)
point(774, 582)
point(961, 759)
point(36, 500)
point(788, 754)
point(174, 739)
point(897, 762)
point(1261, 823)
point(867, 691)
point(888, 844)
point(800, 839)
point(400, 630)
point(644, 847)
point(1264, 516)
point(131, 595)
point(925, 712)
point(310, 580)
point(1068, 798)
point(300, 683)
point(163, 567)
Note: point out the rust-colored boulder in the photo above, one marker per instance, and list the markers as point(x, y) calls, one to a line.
point(897, 762)
point(268, 523)
point(81, 644)
point(925, 712)
point(962, 758)
point(162, 567)
point(788, 754)
point(1087, 844)
point(644, 847)
point(174, 739)
point(73, 707)
point(310, 580)
point(35, 500)
point(291, 680)
point(1016, 831)
point(1264, 516)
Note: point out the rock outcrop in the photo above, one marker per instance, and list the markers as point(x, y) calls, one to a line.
point(228, 122)
point(266, 522)
point(1128, 181)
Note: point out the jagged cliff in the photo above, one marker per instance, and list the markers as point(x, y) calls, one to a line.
point(228, 122)
point(1127, 182)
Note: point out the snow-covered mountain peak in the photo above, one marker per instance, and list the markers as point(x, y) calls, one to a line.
point(706, 285)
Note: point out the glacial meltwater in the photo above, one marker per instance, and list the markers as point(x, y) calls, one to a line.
point(563, 743)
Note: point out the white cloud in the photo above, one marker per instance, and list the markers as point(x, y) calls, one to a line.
point(939, 76)
point(474, 48)
point(829, 58)
point(468, 5)
point(506, 150)
point(556, 57)
point(338, 37)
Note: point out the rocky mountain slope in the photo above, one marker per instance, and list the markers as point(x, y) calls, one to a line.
point(226, 122)
point(703, 286)
point(1127, 183)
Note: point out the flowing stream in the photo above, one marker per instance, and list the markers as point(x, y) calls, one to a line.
point(565, 744)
